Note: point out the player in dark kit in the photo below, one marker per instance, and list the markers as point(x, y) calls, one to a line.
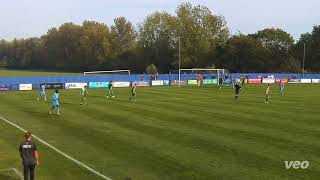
point(29, 156)
point(237, 88)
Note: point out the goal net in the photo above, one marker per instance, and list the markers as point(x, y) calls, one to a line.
point(113, 72)
point(207, 76)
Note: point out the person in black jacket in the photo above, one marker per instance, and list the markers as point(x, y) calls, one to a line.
point(237, 88)
point(29, 155)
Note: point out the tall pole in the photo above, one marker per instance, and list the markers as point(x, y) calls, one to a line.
point(304, 58)
point(179, 59)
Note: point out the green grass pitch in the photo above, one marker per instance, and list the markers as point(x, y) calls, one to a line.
point(169, 133)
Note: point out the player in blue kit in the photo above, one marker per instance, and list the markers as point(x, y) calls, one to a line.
point(42, 92)
point(281, 88)
point(55, 102)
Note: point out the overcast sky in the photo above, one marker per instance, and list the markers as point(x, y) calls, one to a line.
point(26, 18)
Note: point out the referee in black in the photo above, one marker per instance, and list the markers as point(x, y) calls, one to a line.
point(237, 88)
point(29, 156)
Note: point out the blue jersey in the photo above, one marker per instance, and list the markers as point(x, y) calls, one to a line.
point(282, 86)
point(55, 97)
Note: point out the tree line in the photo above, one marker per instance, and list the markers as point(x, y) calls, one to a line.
point(203, 37)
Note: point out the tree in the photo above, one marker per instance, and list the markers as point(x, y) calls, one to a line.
point(151, 69)
point(123, 36)
point(312, 44)
point(279, 43)
point(95, 43)
point(243, 54)
point(201, 33)
point(157, 40)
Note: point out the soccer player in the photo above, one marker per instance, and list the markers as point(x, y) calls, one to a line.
point(237, 88)
point(83, 93)
point(220, 82)
point(55, 102)
point(42, 92)
point(281, 88)
point(268, 92)
point(133, 92)
point(234, 82)
point(199, 79)
point(29, 155)
point(110, 91)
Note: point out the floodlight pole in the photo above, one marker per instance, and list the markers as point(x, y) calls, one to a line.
point(179, 58)
point(304, 58)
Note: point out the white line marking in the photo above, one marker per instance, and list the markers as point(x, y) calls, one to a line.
point(14, 170)
point(18, 173)
point(58, 151)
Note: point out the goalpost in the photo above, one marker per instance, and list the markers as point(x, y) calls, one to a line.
point(126, 71)
point(219, 72)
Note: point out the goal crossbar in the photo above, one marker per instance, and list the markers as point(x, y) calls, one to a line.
point(113, 71)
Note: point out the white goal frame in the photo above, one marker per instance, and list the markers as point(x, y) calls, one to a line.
point(113, 71)
point(202, 69)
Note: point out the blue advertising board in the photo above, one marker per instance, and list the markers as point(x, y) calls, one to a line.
point(5, 87)
point(98, 84)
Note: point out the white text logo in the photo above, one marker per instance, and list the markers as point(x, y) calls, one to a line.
point(296, 164)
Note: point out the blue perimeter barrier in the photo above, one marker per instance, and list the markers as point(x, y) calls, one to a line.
point(14, 81)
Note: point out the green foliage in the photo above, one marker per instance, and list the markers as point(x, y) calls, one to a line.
point(151, 69)
point(201, 33)
point(157, 40)
point(123, 36)
point(312, 44)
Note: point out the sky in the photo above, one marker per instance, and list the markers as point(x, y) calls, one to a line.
point(29, 18)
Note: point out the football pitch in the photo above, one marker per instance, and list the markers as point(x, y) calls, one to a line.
point(169, 133)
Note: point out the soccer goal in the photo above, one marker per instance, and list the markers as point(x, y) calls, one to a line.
point(125, 71)
point(216, 74)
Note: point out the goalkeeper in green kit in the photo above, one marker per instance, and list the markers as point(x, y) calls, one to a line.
point(110, 91)
point(133, 92)
point(83, 94)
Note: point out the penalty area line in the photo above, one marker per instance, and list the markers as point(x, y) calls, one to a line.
point(58, 151)
point(14, 170)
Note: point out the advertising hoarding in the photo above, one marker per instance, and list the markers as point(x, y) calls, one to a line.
point(157, 83)
point(268, 80)
point(52, 85)
point(98, 84)
point(294, 81)
point(305, 81)
point(141, 83)
point(209, 81)
point(25, 87)
point(121, 84)
point(75, 85)
point(5, 87)
point(176, 83)
point(254, 81)
point(192, 82)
